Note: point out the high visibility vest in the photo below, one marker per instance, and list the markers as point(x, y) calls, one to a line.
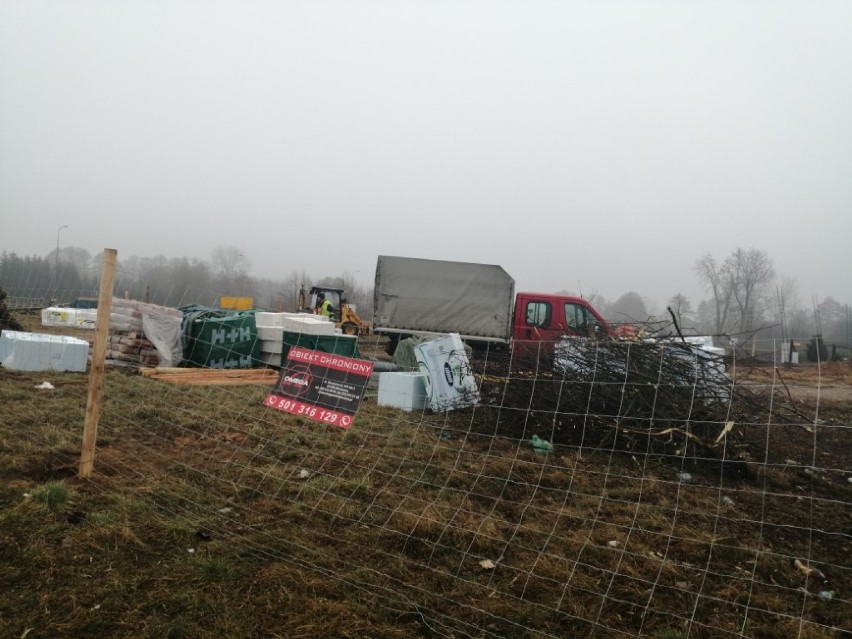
point(324, 309)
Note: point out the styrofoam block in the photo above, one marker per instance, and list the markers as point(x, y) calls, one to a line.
point(402, 390)
point(271, 319)
point(270, 333)
point(58, 316)
point(292, 323)
point(272, 346)
point(86, 318)
point(309, 326)
point(38, 352)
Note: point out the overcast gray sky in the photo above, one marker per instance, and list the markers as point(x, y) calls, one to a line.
point(596, 145)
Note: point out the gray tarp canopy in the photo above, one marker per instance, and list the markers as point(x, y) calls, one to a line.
point(444, 297)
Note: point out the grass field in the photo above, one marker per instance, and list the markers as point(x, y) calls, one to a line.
point(212, 516)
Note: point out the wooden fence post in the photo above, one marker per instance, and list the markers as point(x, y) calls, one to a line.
point(96, 371)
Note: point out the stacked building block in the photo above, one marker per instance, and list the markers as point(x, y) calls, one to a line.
point(272, 326)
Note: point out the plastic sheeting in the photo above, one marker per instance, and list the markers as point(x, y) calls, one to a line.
point(70, 317)
point(449, 379)
point(404, 357)
point(160, 325)
point(220, 339)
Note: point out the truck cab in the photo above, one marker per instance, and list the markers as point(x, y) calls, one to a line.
point(541, 317)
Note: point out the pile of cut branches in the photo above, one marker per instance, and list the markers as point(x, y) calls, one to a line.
point(654, 396)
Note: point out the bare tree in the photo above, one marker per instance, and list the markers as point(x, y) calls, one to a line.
point(739, 285)
point(799, 322)
point(682, 309)
point(789, 290)
point(289, 290)
point(232, 271)
point(788, 307)
point(360, 297)
point(74, 256)
point(630, 307)
point(718, 280)
point(752, 273)
point(834, 317)
point(705, 317)
point(230, 261)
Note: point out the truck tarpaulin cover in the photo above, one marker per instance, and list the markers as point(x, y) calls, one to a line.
point(423, 294)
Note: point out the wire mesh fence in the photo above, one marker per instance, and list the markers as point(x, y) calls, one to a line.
point(594, 488)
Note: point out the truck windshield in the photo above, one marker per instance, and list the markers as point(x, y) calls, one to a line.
point(579, 318)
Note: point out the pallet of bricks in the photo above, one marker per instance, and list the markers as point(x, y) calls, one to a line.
point(144, 334)
point(132, 347)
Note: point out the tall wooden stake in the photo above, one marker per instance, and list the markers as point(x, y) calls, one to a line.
point(96, 371)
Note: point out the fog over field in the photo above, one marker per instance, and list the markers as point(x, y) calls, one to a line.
point(594, 147)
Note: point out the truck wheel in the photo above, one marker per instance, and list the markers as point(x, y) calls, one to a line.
point(349, 328)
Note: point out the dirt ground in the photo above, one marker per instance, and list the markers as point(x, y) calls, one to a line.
point(388, 531)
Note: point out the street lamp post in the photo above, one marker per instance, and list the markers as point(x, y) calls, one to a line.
point(58, 231)
point(56, 259)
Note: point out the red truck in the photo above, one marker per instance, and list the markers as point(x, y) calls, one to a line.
point(415, 296)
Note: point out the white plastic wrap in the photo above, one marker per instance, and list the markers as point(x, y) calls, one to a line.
point(448, 377)
point(160, 325)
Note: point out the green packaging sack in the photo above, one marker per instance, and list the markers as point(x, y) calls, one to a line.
point(227, 341)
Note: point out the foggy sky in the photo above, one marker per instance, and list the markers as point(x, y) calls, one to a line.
point(600, 147)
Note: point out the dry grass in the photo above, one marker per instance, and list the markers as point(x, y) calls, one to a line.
point(201, 523)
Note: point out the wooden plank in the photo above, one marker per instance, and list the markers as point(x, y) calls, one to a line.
point(211, 377)
point(219, 382)
point(234, 372)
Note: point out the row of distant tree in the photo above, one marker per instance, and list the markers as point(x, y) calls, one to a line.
point(746, 299)
point(745, 296)
point(177, 281)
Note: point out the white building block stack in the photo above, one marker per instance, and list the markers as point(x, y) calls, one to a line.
point(39, 352)
point(272, 326)
point(70, 317)
point(404, 390)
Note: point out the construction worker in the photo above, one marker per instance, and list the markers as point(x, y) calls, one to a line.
point(325, 308)
point(7, 321)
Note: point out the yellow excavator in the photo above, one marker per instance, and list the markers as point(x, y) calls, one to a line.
point(342, 314)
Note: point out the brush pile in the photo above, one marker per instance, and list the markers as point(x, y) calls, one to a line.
point(658, 396)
